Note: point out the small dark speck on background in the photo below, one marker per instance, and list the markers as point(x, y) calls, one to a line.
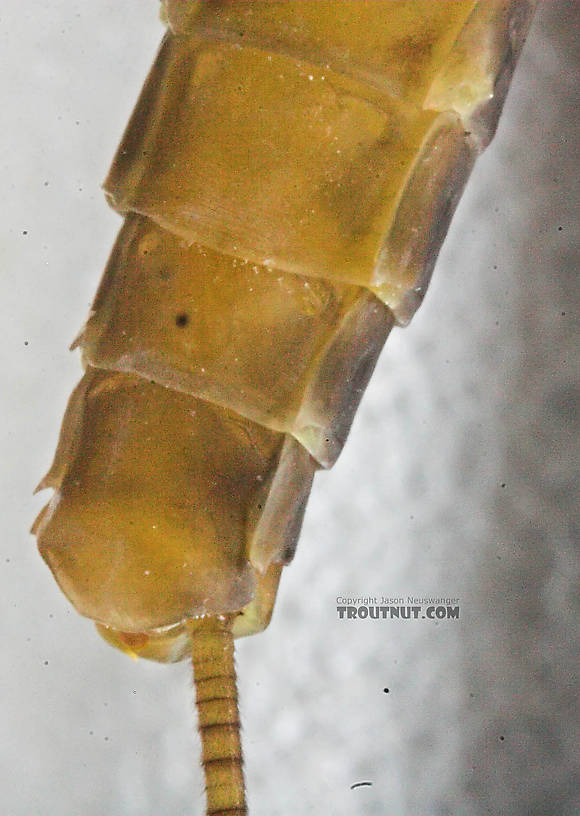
point(386, 690)
point(181, 319)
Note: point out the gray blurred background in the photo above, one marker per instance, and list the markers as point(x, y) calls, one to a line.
point(458, 479)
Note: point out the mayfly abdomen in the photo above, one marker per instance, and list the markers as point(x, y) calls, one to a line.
point(287, 179)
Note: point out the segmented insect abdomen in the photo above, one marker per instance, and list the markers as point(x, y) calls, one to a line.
point(287, 178)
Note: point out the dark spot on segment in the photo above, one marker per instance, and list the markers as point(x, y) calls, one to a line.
point(181, 320)
point(386, 690)
point(501, 739)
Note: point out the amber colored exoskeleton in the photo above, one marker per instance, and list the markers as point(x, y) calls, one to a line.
point(286, 181)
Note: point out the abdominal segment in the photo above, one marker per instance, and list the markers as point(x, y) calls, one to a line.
point(166, 507)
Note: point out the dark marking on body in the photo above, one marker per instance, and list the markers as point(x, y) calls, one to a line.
point(181, 320)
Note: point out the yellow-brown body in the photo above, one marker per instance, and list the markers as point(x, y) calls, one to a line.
point(287, 178)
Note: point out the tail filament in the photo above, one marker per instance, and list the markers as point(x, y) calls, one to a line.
point(219, 721)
